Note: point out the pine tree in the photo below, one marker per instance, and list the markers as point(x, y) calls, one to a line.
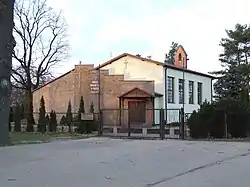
point(42, 118)
point(17, 127)
point(170, 57)
point(235, 60)
point(69, 116)
point(81, 124)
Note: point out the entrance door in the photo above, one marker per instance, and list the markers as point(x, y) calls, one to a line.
point(137, 112)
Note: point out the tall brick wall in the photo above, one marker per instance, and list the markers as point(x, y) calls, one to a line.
point(78, 83)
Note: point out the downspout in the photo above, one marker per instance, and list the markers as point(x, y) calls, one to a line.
point(211, 90)
point(166, 93)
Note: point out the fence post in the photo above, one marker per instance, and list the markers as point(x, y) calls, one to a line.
point(162, 126)
point(129, 128)
point(225, 121)
point(182, 124)
point(100, 126)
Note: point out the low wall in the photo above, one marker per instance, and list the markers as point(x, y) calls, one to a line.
point(59, 128)
point(170, 132)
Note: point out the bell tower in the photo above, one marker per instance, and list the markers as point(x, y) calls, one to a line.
point(181, 57)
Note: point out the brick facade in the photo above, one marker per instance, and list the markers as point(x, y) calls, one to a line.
point(79, 82)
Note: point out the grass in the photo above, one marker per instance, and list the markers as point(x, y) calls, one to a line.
point(32, 138)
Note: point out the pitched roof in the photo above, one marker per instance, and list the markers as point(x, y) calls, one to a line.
point(136, 88)
point(182, 48)
point(171, 66)
point(53, 80)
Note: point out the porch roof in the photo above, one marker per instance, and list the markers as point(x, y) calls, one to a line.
point(135, 91)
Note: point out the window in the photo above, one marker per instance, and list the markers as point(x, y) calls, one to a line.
point(181, 91)
point(191, 92)
point(170, 89)
point(180, 57)
point(199, 92)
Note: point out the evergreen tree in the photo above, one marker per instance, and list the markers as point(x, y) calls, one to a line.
point(244, 97)
point(81, 108)
point(63, 121)
point(235, 61)
point(91, 108)
point(17, 127)
point(69, 116)
point(90, 125)
point(170, 57)
point(42, 118)
point(52, 122)
point(47, 121)
point(81, 124)
point(54, 127)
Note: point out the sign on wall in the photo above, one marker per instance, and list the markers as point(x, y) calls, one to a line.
point(87, 117)
point(94, 86)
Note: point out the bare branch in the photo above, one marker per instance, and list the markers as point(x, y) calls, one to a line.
point(42, 43)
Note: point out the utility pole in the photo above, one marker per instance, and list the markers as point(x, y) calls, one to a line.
point(7, 44)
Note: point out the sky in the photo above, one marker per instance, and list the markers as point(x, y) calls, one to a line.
point(99, 29)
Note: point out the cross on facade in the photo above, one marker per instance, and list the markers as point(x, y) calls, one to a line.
point(126, 64)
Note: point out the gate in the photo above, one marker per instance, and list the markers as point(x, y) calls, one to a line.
point(139, 122)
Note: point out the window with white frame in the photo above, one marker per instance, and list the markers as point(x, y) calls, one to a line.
point(191, 92)
point(181, 91)
point(170, 83)
point(199, 93)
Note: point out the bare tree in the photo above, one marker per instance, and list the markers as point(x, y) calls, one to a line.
point(6, 47)
point(41, 44)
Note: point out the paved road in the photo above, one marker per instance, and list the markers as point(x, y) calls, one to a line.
point(126, 163)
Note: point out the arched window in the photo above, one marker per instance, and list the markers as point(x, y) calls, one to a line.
point(180, 57)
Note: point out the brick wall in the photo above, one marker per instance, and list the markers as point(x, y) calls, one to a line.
point(77, 83)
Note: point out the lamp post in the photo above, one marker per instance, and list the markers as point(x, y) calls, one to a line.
point(6, 47)
point(183, 102)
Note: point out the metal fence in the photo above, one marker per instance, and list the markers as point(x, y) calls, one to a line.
point(151, 123)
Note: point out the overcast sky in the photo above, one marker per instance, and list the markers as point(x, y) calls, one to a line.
point(147, 27)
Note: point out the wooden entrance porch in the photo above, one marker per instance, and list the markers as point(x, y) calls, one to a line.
point(139, 106)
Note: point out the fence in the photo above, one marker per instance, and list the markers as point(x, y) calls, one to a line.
point(158, 123)
point(154, 123)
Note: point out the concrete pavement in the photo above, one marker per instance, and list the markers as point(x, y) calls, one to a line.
point(126, 163)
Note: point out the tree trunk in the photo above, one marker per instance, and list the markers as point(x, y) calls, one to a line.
point(29, 111)
point(6, 47)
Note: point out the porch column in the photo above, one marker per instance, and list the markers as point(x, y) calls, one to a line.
point(120, 111)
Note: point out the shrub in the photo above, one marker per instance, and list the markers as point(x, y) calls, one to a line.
point(237, 117)
point(213, 120)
